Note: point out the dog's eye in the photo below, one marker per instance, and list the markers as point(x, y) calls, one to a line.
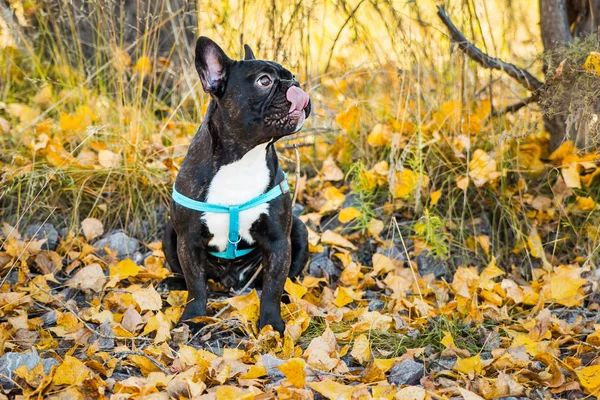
point(265, 80)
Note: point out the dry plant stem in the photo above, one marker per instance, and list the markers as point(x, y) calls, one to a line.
point(86, 325)
point(142, 354)
point(296, 186)
point(522, 76)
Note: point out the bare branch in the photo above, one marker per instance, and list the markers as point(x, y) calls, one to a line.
point(520, 75)
point(515, 107)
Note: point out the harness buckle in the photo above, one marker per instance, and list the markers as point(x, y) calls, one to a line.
point(284, 190)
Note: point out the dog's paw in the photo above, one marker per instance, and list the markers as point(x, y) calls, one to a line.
point(276, 323)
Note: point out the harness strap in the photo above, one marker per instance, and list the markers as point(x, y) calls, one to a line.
point(233, 237)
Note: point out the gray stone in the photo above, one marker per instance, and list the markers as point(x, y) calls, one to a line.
point(443, 364)
point(43, 231)
point(393, 252)
point(138, 258)
point(429, 264)
point(352, 200)
point(297, 210)
point(271, 363)
point(376, 305)
point(407, 372)
point(9, 362)
point(322, 267)
point(119, 241)
point(105, 337)
point(49, 318)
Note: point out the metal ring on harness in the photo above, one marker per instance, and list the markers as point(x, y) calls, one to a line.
point(234, 243)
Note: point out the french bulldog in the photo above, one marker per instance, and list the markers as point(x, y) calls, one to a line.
point(232, 160)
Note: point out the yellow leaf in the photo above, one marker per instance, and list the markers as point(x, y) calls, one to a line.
point(348, 119)
point(585, 203)
point(70, 372)
point(335, 198)
point(405, 183)
point(482, 168)
point(566, 152)
point(294, 290)
point(463, 183)
point(375, 227)
point(434, 197)
point(592, 63)
point(361, 350)
point(241, 302)
point(589, 378)
point(92, 228)
point(343, 296)
point(534, 242)
point(143, 66)
point(330, 237)
point(247, 306)
point(383, 264)
point(348, 214)
point(384, 391)
point(91, 277)
point(571, 176)
point(333, 390)
point(147, 299)
point(108, 159)
point(293, 369)
point(255, 371)
point(330, 171)
point(44, 98)
point(447, 340)
point(410, 393)
point(379, 136)
point(233, 354)
point(471, 365)
point(468, 395)
point(565, 286)
point(124, 269)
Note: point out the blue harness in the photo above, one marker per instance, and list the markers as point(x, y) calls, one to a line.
point(234, 215)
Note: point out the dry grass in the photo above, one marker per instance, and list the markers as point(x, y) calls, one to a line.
point(388, 60)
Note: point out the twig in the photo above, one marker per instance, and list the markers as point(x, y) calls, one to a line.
point(85, 324)
point(522, 76)
point(515, 107)
point(142, 354)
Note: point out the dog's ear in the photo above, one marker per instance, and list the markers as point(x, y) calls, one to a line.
point(212, 65)
point(248, 53)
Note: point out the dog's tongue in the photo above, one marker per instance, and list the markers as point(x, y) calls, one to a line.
point(298, 97)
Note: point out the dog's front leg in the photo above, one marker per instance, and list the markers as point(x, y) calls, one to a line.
point(192, 260)
point(276, 264)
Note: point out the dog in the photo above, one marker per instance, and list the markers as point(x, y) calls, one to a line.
point(231, 208)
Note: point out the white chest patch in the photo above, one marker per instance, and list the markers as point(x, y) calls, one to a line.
point(237, 183)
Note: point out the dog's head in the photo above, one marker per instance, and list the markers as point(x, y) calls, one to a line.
point(256, 96)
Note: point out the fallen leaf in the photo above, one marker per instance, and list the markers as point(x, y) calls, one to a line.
point(349, 214)
point(293, 369)
point(330, 237)
point(90, 277)
point(92, 228)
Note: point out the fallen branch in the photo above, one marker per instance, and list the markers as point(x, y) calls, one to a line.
point(142, 354)
point(520, 75)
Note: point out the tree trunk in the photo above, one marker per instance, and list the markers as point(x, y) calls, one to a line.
point(561, 21)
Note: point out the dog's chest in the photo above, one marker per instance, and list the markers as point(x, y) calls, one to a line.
point(237, 183)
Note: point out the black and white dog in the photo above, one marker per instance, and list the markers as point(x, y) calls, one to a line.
point(232, 162)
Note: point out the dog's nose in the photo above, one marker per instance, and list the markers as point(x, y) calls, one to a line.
point(298, 97)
